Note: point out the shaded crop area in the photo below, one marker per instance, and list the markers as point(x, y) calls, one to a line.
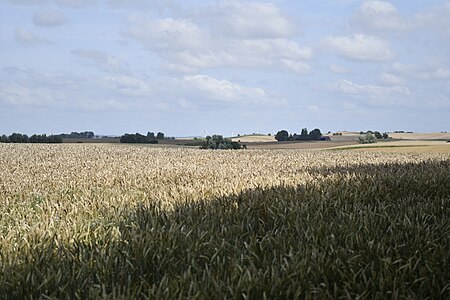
point(315, 225)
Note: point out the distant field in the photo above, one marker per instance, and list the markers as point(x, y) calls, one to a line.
point(299, 145)
point(406, 146)
point(254, 139)
point(444, 149)
point(104, 221)
point(421, 136)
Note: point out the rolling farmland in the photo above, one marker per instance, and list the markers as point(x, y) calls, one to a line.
point(116, 221)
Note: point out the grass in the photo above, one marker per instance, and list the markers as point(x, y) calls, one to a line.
point(135, 222)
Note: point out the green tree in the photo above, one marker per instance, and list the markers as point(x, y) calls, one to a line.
point(315, 135)
point(304, 134)
point(385, 136)
point(218, 142)
point(18, 138)
point(378, 135)
point(137, 138)
point(282, 135)
point(369, 138)
point(160, 136)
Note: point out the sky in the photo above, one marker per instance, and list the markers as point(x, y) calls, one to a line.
point(191, 68)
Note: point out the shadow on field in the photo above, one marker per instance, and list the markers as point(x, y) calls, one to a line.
point(371, 231)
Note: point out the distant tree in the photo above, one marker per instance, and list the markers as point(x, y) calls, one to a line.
point(37, 138)
point(367, 139)
point(315, 135)
point(378, 135)
point(304, 134)
point(54, 139)
point(137, 138)
point(160, 136)
point(18, 138)
point(4, 139)
point(385, 136)
point(151, 135)
point(282, 135)
point(218, 142)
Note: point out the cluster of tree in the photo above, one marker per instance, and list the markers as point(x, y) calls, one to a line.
point(377, 134)
point(337, 133)
point(78, 135)
point(219, 142)
point(35, 138)
point(313, 135)
point(138, 138)
point(159, 135)
point(368, 138)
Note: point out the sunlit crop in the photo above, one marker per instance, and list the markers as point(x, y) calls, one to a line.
point(87, 221)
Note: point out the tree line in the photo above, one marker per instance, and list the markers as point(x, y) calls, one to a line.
point(35, 138)
point(78, 135)
point(138, 138)
point(313, 135)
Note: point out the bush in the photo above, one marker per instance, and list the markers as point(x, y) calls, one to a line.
point(367, 139)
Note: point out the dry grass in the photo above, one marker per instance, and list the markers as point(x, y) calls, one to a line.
point(94, 221)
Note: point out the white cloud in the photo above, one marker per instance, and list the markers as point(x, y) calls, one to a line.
point(248, 20)
point(101, 60)
point(17, 94)
point(166, 34)
point(48, 17)
point(60, 90)
point(275, 53)
point(348, 87)
point(298, 67)
point(27, 38)
point(130, 86)
point(338, 69)
point(61, 3)
point(391, 79)
point(379, 15)
point(422, 73)
point(223, 90)
point(374, 95)
point(436, 20)
point(186, 47)
point(359, 47)
point(159, 5)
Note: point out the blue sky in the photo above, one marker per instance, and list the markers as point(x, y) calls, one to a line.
point(231, 66)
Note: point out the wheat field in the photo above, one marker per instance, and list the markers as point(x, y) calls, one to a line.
point(120, 222)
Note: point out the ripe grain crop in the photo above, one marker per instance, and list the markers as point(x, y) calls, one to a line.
point(115, 221)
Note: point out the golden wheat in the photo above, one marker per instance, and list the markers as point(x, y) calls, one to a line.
point(72, 194)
